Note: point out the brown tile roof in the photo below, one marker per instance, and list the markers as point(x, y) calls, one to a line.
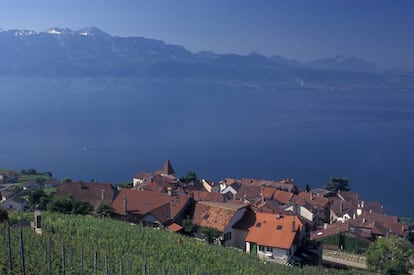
point(90, 192)
point(283, 197)
point(331, 229)
point(174, 227)
point(144, 202)
point(268, 192)
point(207, 196)
point(340, 207)
point(273, 230)
point(373, 206)
point(315, 201)
point(215, 214)
point(269, 206)
point(248, 193)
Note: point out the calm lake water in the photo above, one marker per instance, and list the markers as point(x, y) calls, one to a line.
point(109, 130)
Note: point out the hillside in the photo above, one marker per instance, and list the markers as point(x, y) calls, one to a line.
point(123, 248)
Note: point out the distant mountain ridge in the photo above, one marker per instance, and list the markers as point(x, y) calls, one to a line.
point(91, 52)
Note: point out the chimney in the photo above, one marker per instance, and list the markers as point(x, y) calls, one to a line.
point(293, 225)
point(125, 205)
point(341, 206)
point(362, 204)
point(169, 191)
point(102, 196)
point(325, 226)
point(310, 196)
point(262, 197)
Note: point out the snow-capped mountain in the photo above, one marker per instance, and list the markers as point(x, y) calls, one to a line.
point(92, 52)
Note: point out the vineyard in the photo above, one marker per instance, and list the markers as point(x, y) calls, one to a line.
point(87, 245)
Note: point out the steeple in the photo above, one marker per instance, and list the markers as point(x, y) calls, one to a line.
point(167, 168)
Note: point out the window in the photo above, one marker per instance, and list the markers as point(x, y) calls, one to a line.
point(227, 236)
point(279, 227)
point(269, 249)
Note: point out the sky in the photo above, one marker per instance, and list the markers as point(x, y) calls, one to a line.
point(375, 30)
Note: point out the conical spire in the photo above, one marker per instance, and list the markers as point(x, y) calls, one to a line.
point(167, 168)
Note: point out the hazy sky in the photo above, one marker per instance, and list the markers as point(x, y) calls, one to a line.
point(378, 31)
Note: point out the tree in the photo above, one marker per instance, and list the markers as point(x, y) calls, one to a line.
point(188, 226)
point(104, 210)
point(81, 207)
point(4, 216)
point(191, 176)
point(389, 256)
point(39, 199)
point(307, 188)
point(60, 204)
point(210, 234)
point(335, 184)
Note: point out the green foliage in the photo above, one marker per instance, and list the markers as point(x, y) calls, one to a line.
point(61, 204)
point(81, 207)
point(38, 199)
point(3, 215)
point(66, 205)
point(104, 210)
point(65, 180)
point(125, 185)
point(189, 226)
point(337, 183)
point(133, 247)
point(348, 243)
point(389, 256)
point(210, 234)
point(191, 176)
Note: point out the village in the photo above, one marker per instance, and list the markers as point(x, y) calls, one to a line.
point(275, 220)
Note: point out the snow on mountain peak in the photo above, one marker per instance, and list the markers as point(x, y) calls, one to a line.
point(24, 33)
point(54, 31)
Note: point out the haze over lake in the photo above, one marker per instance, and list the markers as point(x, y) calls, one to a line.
point(110, 129)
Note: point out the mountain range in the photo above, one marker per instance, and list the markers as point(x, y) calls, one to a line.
point(91, 52)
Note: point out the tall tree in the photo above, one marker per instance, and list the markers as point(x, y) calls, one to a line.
point(389, 256)
point(337, 183)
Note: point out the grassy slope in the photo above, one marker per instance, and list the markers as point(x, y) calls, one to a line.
point(128, 247)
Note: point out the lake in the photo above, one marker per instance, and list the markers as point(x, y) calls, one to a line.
point(111, 129)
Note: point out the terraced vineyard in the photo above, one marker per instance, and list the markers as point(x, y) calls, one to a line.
point(87, 245)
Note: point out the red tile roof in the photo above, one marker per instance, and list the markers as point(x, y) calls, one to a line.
point(144, 202)
point(207, 196)
point(90, 192)
point(315, 201)
point(283, 197)
point(175, 227)
point(215, 214)
point(248, 193)
point(268, 192)
point(274, 231)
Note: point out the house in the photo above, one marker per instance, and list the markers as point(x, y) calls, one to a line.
point(287, 184)
point(230, 191)
point(248, 194)
point(282, 197)
point(14, 203)
point(93, 192)
point(7, 176)
point(31, 186)
point(207, 196)
point(342, 210)
point(275, 236)
point(158, 180)
point(150, 208)
point(221, 216)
